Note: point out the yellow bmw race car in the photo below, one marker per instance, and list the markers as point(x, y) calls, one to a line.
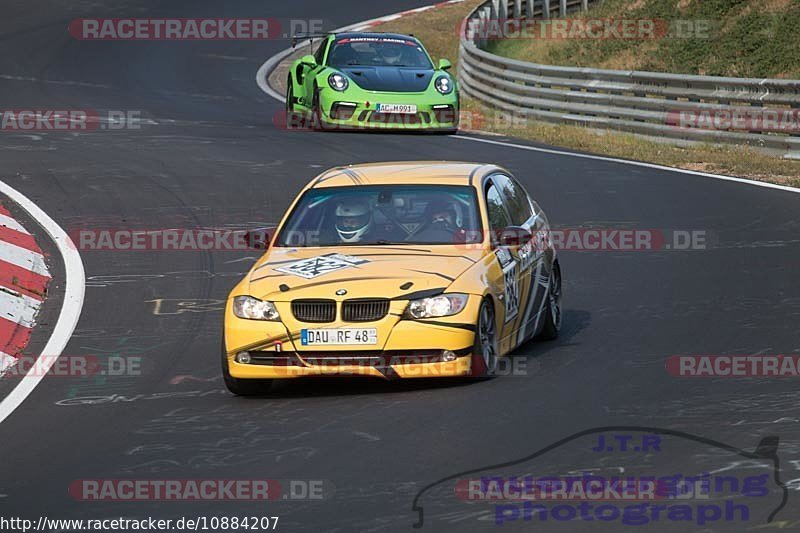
point(395, 270)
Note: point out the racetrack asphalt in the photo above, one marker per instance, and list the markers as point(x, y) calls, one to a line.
point(211, 155)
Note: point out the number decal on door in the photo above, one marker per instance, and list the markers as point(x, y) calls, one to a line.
point(511, 290)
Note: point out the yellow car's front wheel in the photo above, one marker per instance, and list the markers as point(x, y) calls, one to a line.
point(484, 352)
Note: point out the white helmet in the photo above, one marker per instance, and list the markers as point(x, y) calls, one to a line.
point(392, 53)
point(353, 219)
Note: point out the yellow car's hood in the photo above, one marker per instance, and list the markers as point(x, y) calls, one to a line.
point(284, 274)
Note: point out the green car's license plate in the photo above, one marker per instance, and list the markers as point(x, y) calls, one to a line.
point(404, 109)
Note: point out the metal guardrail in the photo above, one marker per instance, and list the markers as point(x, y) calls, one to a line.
point(633, 101)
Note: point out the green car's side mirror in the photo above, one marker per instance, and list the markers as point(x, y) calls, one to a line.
point(444, 64)
point(309, 61)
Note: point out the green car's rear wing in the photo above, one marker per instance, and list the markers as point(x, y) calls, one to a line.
point(310, 36)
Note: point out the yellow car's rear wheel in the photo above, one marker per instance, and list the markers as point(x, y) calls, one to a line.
point(552, 311)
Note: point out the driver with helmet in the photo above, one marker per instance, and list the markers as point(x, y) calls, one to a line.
point(440, 223)
point(353, 220)
point(391, 53)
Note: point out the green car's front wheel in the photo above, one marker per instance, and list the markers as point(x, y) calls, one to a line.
point(289, 96)
point(316, 113)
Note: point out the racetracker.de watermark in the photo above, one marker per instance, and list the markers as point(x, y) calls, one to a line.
point(755, 119)
point(643, 29)
point(227, 239)
point(576, 488)
point(176, 490)
point(624, 239)
point(306, 121)
point(589, 239)
point(190, 29)
point(412, 366)
point(734, 366)
point(72, 366)
point(467, 120)
point(68, 120)
point(173, 239)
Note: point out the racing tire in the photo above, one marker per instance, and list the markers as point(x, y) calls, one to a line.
point(316, 114)
point(242, 387)
point(294, 120)
point(484, 351)
point(289, 96)
point(552, 310)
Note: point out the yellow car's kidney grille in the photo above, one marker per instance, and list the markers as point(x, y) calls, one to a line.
point(366, 310)
point(314, 310)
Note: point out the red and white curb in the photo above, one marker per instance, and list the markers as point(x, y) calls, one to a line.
point(388, 18)
point(23, 285)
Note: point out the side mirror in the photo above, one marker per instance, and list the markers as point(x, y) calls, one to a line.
point(515, 236)
point(259, 239)
point(445, 64)
point(309, 61)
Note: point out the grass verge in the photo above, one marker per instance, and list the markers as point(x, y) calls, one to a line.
point(740, 38)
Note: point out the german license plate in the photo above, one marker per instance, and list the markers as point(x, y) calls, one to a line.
point(338, 336)
point(403, 109)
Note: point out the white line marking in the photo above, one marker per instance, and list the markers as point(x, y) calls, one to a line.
point(23, 258)
point(626, 162)
point(19, 308)
point(58, 82)
point(10, 223)
point(74, 289)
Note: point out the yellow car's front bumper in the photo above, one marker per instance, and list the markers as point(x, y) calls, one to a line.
point(432, 348)
point(460, 367)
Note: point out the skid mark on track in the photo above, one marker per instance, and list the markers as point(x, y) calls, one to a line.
point(179, 306)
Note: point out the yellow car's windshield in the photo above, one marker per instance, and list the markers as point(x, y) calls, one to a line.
point(383, 214)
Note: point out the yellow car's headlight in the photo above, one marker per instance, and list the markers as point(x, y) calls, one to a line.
point(444, 305)
point(254, 309)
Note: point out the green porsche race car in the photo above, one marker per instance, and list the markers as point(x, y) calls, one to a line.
point(373, 80)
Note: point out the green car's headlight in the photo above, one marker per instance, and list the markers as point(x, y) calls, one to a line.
point(254, 309)
point(338, 82)
point(444, 305)
point(443, 84)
